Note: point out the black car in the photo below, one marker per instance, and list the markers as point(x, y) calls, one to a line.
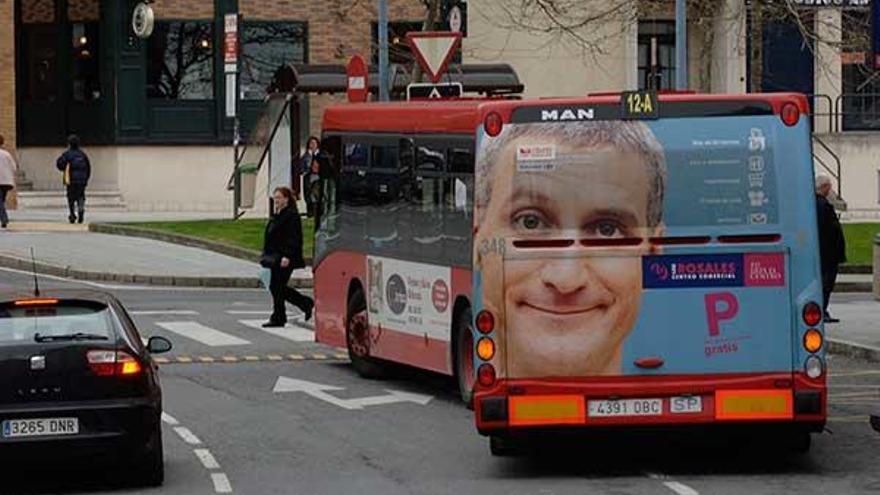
point(77, 380)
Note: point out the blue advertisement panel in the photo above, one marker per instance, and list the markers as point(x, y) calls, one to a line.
point(585, 284)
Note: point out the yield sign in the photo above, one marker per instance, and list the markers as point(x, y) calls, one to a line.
point(434, 50)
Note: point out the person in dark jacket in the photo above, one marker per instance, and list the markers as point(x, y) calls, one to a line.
point(77, 170)
point(310, 168)
point(832, 245)
point(282, 253)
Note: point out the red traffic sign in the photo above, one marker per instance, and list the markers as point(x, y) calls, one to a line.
point(434, 50)
point(358, 82)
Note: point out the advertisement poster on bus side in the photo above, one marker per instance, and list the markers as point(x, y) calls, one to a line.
point(409, 297)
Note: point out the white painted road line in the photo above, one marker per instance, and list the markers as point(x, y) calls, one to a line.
point(187, 436)
point(221, 483)
point(207, 459)
point(201, 333)
point(675, 486)
point(169, 312)
point(289, 332)
point(249, 312)
point(169, 419)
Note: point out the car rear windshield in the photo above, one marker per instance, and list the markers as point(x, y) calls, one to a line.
point(20, 324)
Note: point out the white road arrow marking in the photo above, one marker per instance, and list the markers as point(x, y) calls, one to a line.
point(320, 391)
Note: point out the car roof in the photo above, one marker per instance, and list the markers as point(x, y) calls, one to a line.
point(89, 295)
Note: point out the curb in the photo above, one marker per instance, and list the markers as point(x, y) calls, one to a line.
point(181, 239)
point(850, 287)
point(157, 280)
point(854, 350)
point(856, 269)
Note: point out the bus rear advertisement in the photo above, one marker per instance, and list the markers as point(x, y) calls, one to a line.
point(582, 263)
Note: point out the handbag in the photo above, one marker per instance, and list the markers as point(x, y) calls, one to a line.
point(67, 174)
point(12, 199)
point(268, 261)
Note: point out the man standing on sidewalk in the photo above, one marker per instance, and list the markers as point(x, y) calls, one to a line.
point(7, 181)
point(77, 169)
point(832, 245)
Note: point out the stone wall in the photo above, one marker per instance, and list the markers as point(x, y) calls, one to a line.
point(7, 72)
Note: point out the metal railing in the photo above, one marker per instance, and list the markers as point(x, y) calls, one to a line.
point(834, 168)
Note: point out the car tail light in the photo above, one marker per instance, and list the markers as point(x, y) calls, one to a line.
point(814, 367)
point(485, 322)
point(813, 340)
point(493, 124)
point(486, 375)
point(485, 348)
point(812, 314)
point(113, 363)
point(791, 114)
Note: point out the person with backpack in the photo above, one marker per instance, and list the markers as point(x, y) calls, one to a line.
point(77, 169)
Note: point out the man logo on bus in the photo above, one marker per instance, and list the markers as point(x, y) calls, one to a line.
point(395, 293)
point(567, 312)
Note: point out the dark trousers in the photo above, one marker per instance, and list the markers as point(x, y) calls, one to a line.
point(281, 293)
point(829, 278)
point(76, 200)
point(4, 217)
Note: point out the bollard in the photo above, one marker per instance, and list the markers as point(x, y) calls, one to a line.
point(876, 268)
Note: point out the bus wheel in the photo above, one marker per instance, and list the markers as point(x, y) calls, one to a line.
point(463, 358)
point(503, 447)
point(798, 442)
point(357, 337)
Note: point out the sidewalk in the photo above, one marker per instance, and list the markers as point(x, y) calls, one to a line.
point(858, 333)
point(69, 251)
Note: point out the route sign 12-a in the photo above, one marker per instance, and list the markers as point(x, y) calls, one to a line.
point(639, 105)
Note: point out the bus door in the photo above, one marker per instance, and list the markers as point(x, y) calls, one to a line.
point(629, 248)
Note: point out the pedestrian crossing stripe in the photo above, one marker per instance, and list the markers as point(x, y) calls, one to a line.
point(275, 358)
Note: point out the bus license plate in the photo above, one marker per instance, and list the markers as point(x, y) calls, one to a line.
point(685, 405)
point(625, 407)
point(16, 428)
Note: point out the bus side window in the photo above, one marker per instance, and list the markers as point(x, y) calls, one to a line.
point(458, 202)
point(427, 196)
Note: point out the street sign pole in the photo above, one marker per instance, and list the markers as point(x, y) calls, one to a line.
point(383, 50)
point(681, 71)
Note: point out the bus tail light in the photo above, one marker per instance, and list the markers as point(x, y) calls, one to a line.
point(493, 124)
point(486, 375)
point(814, 367)
point(812, 314)
point(485, 348)
point(791, 114)
point(813, 340)
point(110, 363)
point(485, 322)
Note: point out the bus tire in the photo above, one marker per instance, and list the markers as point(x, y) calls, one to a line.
point(357, 337)
point(798, 442)
point(503, 447)
point(463, 355)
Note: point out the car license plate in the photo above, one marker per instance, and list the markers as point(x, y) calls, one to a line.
point(15, 428)
point(625, 407)
point(685, 405)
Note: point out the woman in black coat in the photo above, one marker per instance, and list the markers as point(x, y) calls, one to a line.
point(282, 253)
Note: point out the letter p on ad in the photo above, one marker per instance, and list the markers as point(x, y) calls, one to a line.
point(720, 306)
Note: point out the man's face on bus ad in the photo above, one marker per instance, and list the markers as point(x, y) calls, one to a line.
point(568, 311)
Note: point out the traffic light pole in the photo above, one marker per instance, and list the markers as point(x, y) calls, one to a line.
point(383, 50)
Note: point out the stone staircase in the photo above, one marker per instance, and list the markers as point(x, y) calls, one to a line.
point(22, 183)
point(57, 200)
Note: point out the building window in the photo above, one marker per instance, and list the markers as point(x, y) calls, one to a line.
point(266, 47)
point(656, 51)
point(86, 62)
point(181, 61)
point(861, 103)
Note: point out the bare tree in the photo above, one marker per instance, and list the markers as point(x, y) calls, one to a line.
point(591, 26)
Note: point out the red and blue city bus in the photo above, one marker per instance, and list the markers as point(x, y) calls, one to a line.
point(607, 261)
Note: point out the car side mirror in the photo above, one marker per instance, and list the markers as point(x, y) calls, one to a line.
point(158, 345)
point(875, 418)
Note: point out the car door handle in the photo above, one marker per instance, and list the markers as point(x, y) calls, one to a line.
point(649, 363)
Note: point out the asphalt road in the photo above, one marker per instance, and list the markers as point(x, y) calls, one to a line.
point(228, 431)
